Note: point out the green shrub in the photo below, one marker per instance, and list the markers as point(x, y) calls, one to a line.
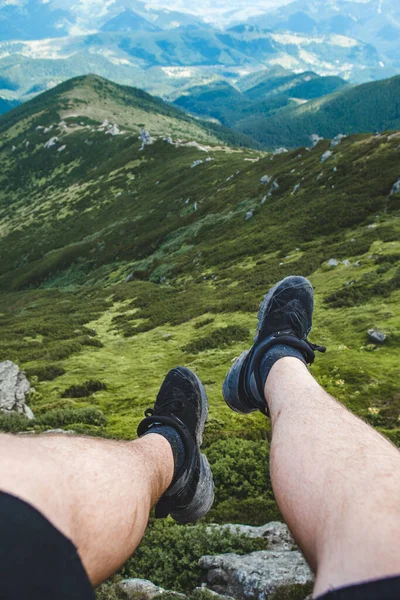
point(46, 372)
point(219, 338)
point(243, 489)
point(84, 390)
point(203, 323)
point(13, 423)
point(59, 418)
point(169, 553)
point(295, 591)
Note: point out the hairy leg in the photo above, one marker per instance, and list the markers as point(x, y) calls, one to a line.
point(336, 480)
point(98, 493)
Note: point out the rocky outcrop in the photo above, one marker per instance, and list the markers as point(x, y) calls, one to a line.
point(376, 337)
point(14, 388)
point(141, 589)
point(259, 575)
point(326, 156)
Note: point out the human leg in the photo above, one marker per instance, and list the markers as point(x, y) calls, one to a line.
point(336, 481)
point(98, 493)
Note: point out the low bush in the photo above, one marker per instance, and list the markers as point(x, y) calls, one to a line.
point(13, 423)
point(219, 338)
point(46, 372)
point(203, 323)
point(58, 418)
point(243, 489)
point(84, 390)
point(169, 553)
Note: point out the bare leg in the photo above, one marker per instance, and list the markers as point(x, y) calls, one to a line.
point(336, 480)
point(98, 493)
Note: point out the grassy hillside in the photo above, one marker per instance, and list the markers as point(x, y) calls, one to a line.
point(119, 263)
point(370, 107)
point(285, 109)
point(257, 97)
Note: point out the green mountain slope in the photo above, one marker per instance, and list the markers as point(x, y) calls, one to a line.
point(364, 108)
point(119, 262)
point(282, 109)
point(262, 96)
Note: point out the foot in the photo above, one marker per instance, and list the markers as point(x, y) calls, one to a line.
point(182, 404)
point(284, 322)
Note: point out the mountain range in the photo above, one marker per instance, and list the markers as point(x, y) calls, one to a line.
point(167, 50)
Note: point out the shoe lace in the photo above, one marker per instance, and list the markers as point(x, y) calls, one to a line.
point(171, 405)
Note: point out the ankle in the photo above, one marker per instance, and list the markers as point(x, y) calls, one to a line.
point(285, 374)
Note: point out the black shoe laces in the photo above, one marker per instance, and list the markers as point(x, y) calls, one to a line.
point(172, 405)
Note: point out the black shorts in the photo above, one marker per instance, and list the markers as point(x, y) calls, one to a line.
point(380, 589)
point(37, 562)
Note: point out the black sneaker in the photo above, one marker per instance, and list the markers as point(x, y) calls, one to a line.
point(182, 404)
point(285, 317)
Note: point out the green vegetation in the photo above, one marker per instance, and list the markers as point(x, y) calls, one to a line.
point(119, 263)
point(167, 545)
point(286, 109)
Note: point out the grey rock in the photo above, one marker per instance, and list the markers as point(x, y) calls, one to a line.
point(346, 262)
point(315, 139)
point(129, 278)
point(199, 591)
point(395, 188)
point(296, 188)
point(14, 387)
point(326, 156)
point(257, 575)
point(249, 215)
point(196, 163)
point(333, 262)
point(141, 589)
point(113, 130)
point(277, 534)
point(338, 140)
point(51, 142)
point(59, 432)
point(280, 151)
point(265, 179)
point(377, 337)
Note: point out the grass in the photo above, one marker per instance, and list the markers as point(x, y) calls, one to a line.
point(74, 225)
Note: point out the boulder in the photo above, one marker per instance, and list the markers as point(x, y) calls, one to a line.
point(249, 215)
point(141, 589)
point(337, 140)
point(280, 151)
point(377, 337)
point(333, 262)
point(395, 188)
point(326, 156)
point(276, 533)
point(265, 179)
point(196, 163)
point(51, 142)
point(258, 575)
point(315, 139)
point(14, 387)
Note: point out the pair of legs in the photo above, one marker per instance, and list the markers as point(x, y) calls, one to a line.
point(336, 480)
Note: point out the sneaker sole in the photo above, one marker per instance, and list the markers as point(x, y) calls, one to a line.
point(231, 385)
